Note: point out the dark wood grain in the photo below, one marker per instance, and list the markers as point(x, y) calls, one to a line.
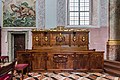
point(62, 50)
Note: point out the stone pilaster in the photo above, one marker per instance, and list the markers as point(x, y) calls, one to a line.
point(113, 44)
point(41, 14)
point(61, 12)
point(113, 50)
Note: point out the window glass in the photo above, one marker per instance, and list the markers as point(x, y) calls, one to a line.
point(79, 12)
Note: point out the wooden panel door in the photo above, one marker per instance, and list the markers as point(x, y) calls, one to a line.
point(19, 43)
point(39, 61)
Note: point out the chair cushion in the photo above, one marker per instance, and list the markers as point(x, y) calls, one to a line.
point(3, 57)
point(20, 66)
point(6, 77)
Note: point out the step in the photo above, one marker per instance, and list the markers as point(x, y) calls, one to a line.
point(112, 62)
point(112, 72)
point(112, 66)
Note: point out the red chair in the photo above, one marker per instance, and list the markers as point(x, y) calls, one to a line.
point(6, 77)
point(21, 67)
point(4, 59)
point(4, 71)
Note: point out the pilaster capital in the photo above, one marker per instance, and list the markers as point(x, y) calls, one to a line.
point(113, 42)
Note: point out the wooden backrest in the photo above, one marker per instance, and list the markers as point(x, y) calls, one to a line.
point(60, 38)
point(8, 68)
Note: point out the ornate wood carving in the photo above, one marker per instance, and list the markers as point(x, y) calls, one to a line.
point(63, 60)
point(60, 61)
point(60, 58)
point(60, 37)
point(62, 49)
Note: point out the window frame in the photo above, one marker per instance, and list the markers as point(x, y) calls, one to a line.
point(75, 26)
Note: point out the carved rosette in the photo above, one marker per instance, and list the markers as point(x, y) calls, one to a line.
point(36, 40)
point(59, 58)
point(74, 39)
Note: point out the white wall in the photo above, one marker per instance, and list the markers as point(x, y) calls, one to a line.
point(5, 38)
point(98, 36)
point(50, 14)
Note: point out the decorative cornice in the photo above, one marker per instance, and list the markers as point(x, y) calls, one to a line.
point(61, 28)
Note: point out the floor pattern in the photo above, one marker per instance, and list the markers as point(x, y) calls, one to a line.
point(67, 76)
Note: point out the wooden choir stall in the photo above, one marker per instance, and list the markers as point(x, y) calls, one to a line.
point(61, 49)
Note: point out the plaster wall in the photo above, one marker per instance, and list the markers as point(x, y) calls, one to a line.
point(5, 38)
point(98, 36)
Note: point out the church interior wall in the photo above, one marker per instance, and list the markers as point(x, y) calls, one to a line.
point(98, 35)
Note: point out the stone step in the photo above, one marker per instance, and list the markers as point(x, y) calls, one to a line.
point(112, 62)
point(112, 72)
point(112, 67)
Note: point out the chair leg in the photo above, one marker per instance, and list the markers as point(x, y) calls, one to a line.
point(27, 71)
point(8, 59)
point(22, 75)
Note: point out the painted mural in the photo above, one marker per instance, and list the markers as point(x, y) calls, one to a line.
point(19, 13)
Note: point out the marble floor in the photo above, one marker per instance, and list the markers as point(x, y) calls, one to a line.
point(66, 76)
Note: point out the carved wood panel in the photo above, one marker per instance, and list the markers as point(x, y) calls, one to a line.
point(81, 61)
point(53, 38)
point(83, 38)
point(74, 38)
point(45, 39)
point(36, 39)
point(96, 59)
point(39, 61)
point(61, 49)
point(60, 61)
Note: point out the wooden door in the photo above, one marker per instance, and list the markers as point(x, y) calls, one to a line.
point(19, 43)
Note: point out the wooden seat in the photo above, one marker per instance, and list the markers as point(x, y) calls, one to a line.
point(6, 72)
